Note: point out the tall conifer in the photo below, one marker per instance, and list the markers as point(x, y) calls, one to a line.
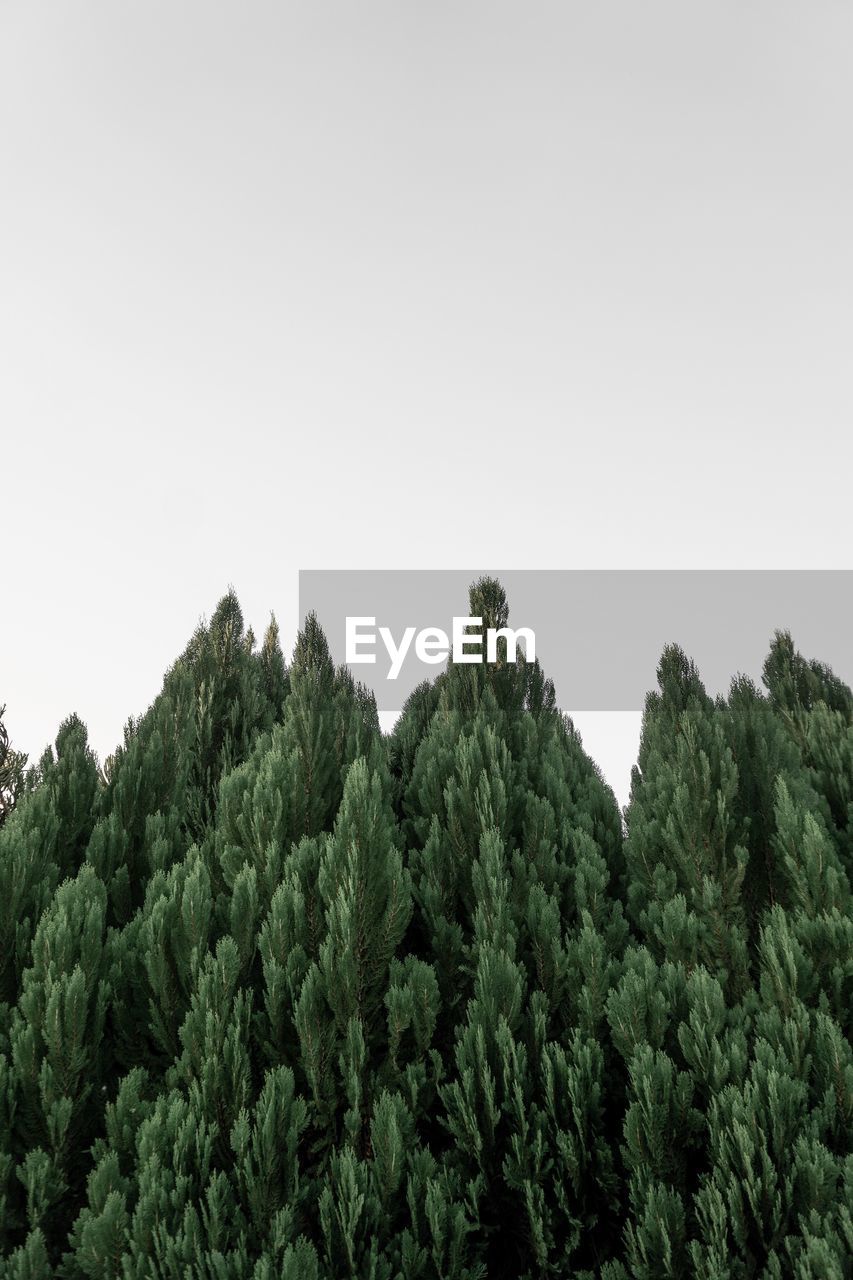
point(283, 997)
point(12, 765)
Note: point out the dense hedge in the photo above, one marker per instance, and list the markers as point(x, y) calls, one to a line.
point(283, 997)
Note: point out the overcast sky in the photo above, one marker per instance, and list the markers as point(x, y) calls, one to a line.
point(315, 285)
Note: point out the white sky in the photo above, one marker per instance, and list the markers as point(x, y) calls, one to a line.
point(385, 285)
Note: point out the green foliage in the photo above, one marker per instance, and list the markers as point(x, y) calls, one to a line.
point(281, 996)
point(57, 1053)
point(12, 765)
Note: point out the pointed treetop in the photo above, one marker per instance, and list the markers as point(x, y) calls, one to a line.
point(72, 735)
point(487, 600)
point(311, 652)
point(797, 684)
point(679, 679)
point(272, 637)
point(226, 626)
point(228, 614)
point(275, 679)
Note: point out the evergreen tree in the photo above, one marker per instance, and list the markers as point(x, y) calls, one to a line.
point(144, 824)
point(57, 1056)
point(283, 997)
point(816, 708)
point(514, 843)
point(686, 852)
point(44, 841)
point(12, 765)
point(232, 704)
point(732, 1015)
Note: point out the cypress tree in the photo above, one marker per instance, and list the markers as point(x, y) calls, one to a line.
point(685, 851)
point(732, 1037)
point(514, 842)
point(12, 766)
point(816, 708)
point(282, 996)
point(144, 823)
point(43, 842)
point(56, 1056)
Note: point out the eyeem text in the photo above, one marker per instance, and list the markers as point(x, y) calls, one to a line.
point(433, 645)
